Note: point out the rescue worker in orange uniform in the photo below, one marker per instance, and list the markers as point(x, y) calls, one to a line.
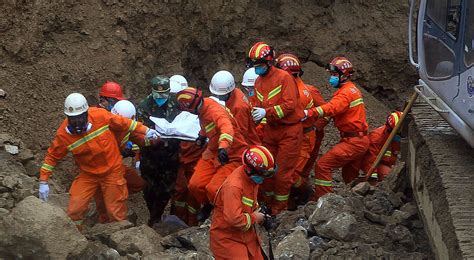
point(183, 204)
point(300, 191)
point(88, 133)
point(232, 233)
point(278, 101)
point(348, 111)
point(224, 148)
point(127, 141)
point(223, 87)
point(110, 93)
point(377, 139)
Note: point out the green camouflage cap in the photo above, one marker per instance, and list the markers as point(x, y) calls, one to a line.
point(160, 83)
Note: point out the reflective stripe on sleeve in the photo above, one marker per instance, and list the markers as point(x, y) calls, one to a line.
point(226, 136)
point(259, 96)
point(247, 201)
point(279, 111)
point(47, 167)
point(356, 102)
point(320, 111)
point(210, 127)
point(274, 92)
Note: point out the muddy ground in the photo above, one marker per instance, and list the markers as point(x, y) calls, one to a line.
point(49, 49)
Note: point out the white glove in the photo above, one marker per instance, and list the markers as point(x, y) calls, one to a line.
point(258, 113)
point(43, 191)
point(305, 115)
point(152, 134)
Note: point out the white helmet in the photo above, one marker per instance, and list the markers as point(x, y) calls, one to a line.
point(124, 108)
point(178, 83)
point(75, 104)
point(249, 78)
point(222, 83)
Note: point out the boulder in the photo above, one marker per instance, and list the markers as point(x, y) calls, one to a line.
point(35, 229)
point(329, 206)
point(193, 238)
point(399, 234)
point(341, 227)
point(379, 203)
point(410, 209)
point(294, 246)
point(333, 218)
point(97, 250)
point(142, 240)
point(102, 232)
point(361, 188)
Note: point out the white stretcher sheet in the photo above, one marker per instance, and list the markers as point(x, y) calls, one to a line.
point(185, 126)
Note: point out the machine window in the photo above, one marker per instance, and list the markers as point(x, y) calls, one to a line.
point(454, 17)
point(469, 36)
point(439, 58)
point(436, 10)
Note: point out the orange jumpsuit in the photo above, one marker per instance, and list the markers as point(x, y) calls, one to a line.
point(240, 107)
point(232, 233)
point(183, 204)
point(300, 187)
point(277, 93)
point(222, 130)
point(100, 163)
point(377, 139)
point(348, 110)
point(135, 182)
point(319, 125)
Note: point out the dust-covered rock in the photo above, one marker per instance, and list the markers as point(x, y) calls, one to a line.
point(333, 217)
point(294, 246)
point(102, 232)
point(97, 250)
point(40, 230)
point(379, 203)
point(193, 238)
point(361, 188)
point(143, 240)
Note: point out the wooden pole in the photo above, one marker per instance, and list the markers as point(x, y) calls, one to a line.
point(407, 109)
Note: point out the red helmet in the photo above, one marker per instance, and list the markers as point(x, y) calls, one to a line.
point(258, 159)
point(394, 118)
point(341, 65)
point(188, 99)
point(111, 89)
point(289, 62)
point(260, 53)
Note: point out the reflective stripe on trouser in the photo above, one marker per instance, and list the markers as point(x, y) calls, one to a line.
point(135, 184)
point(346, 154)
point(114, 192)
point(208, 177)
point(284, 142)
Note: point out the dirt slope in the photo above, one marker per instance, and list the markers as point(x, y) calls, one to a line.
point(50, 48)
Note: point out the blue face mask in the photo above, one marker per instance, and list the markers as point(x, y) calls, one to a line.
point(257, 179)
point(261, 70)
point(334, 81)
point(160, 101)
point(251, 92)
